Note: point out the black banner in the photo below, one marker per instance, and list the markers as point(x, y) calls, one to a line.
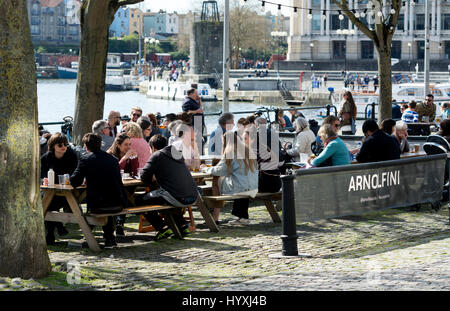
point(360, 188)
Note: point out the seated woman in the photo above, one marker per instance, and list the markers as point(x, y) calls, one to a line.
point(63, 160)
point(401, 135)
point(335, 152)
point(186, 143)
point(146, 127)
point(238, 170)
point(127, 157)
point(304, 138)
point(445, 129)
point(138, 143)
point(388, 126)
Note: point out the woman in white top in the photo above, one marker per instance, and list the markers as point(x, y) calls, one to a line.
point(238, 170)
point(304, 137)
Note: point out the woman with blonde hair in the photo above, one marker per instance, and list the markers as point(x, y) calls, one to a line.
point(304, 138)
point(238, 170)
point(138, 143)
point(335, 152)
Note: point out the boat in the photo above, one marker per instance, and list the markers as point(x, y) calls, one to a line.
point(115, 80)
point(402, 93)
point(171, 90)
point(68, 73)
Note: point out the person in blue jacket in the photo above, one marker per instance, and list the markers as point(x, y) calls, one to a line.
point(335, 152)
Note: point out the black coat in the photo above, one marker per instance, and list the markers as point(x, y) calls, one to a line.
point(171, 173)
point(105, 189)
point(66, 165)
point(379, 147)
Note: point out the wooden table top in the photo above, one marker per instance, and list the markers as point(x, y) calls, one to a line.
point(128, 182)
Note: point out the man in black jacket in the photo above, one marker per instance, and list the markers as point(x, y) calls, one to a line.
point(105, 191)
point(178, 188)
point(377, 146)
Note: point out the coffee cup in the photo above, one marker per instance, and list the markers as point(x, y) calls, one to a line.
point(416, 148)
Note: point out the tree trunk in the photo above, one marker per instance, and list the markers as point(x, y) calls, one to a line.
point(385, 79)
point(95, 19)
point(23, 251)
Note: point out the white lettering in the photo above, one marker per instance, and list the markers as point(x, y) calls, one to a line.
point(351, 187)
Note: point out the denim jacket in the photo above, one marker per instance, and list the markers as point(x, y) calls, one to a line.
point(238, 181)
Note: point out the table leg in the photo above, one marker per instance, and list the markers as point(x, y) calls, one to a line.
point(272, 211)
point(47, 199)
point(171, 223)
point(90, 239)
point(210, 223)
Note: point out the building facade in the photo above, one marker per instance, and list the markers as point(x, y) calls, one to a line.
point(160, 23)
point(319, 38)
point(120, 26)
point(54, 22)
point(135, 23)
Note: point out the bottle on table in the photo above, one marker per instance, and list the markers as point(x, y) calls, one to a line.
point(51, 177)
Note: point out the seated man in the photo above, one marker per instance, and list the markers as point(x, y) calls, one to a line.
point(105, 191)
point(427, 109)
point(377, 146)
point(178, 188)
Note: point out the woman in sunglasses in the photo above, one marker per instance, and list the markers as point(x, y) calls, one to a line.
point(63, 160)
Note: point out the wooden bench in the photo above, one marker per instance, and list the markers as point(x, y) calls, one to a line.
point(102, 219)
point(267, 198)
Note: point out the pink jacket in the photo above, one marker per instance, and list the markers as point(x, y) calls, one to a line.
point(143, 150)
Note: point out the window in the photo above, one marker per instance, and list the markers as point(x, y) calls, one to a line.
point(35, 9)
point(336, 23)
point(132, 15)
point(445, 21)
point(419, 22)
point(339, 49)
point(396, 49)
point(35, 20)
point(35, 30)
point(366, 49)
point(401, 22)
point(420, 49)
point(315, 2)
point(316, 20)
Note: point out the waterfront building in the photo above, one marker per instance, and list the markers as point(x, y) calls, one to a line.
point(54, 22)
point(321, 38)
point(120, 26)
point(160, 23)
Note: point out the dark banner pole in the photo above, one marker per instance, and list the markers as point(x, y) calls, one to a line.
point(289, 223)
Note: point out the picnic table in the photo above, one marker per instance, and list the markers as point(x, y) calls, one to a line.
point(75, 196)
point(420, 128)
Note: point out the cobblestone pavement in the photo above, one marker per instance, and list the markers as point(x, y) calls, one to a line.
point(391, 250)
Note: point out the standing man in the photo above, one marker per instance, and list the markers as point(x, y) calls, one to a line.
point(113, 122)
point(105, 191)
point(427, 109)
point(136, 113)
point(375, 83)
point(193, 106)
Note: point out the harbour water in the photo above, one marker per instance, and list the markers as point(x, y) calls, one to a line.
point(56, 100)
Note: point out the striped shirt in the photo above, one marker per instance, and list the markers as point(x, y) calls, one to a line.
point(410, 116)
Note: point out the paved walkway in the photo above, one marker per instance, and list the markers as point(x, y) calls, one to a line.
point(390, 250)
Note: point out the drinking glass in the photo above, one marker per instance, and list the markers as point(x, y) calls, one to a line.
point(208, 162)
point(62, 180)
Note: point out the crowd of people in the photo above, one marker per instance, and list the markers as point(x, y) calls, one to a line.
point(162, 152)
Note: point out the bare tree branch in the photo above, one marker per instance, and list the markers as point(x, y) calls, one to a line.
point(343, 5)
point(128, 2)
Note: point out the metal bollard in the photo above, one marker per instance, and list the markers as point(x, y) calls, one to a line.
point(289, 224)
point(328, 109)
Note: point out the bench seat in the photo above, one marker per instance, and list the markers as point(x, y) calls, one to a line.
point(267, 198)
point(102, 219)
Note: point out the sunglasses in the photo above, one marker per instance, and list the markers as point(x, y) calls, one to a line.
point(136, 115)
point(61, 145)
